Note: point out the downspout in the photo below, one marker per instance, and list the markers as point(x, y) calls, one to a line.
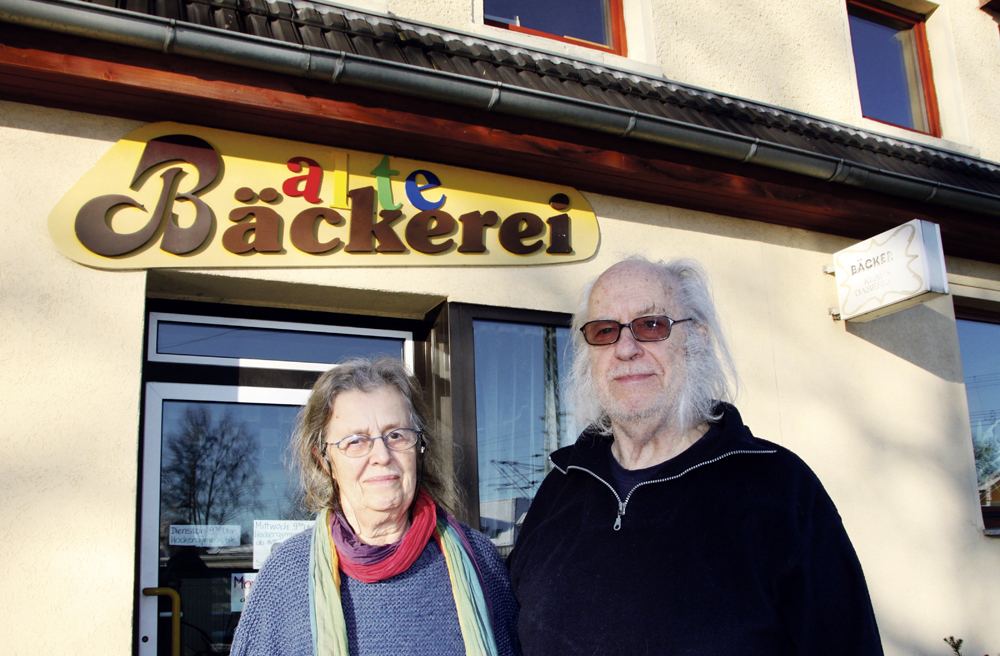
point(197, 41)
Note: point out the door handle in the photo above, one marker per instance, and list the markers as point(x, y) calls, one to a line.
point(175, 615)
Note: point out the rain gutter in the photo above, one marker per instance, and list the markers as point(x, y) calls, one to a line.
point(181, 38)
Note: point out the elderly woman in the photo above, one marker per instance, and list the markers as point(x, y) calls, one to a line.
point(386, 569)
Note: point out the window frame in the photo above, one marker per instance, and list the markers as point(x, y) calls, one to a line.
point(463, 381)
point(884, 13)
point(991, 514)
point(152, 355)
point(616, 19)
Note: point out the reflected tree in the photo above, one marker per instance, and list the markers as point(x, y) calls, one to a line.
point(210, 473)
point(986, 445)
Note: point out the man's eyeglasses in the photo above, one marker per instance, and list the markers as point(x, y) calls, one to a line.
point(356, 446)
point(605, 332)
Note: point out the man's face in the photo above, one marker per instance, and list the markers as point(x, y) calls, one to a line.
point(636, 380)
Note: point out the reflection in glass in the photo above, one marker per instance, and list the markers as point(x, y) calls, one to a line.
point(221, 469)
point(521, 417)
point(580, 19)
point(980, 345)
point(221, 341)
point(888, 71)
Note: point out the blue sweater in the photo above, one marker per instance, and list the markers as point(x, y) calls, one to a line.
point(412, 613)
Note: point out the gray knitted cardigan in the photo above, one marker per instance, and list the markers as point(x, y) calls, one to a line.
point(412, 613)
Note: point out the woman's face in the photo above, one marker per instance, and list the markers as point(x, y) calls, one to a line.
point(378, 487)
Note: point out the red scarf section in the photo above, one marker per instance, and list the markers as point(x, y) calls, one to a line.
point(409, 549)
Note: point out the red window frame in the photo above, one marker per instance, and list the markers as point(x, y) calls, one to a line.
point(899, 18)
point(616, 19)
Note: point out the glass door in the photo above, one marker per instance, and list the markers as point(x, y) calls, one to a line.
point(216, 495)
point(216, 498)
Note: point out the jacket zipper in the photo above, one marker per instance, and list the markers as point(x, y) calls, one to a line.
point(623, 504)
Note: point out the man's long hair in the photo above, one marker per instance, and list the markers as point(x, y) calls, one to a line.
point(710, 374)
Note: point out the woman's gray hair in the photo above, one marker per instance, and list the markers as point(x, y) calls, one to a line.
point(710, 374)
point(364, 375)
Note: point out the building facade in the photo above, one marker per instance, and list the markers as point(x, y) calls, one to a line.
point(210, 202)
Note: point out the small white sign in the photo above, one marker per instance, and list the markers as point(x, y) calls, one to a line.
point(269, 533)
point(240, 590)
point(891, 271)
point(204, 535)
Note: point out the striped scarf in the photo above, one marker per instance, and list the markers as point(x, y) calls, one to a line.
point(329, 628)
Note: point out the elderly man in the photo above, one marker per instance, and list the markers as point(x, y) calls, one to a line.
point(668, 528)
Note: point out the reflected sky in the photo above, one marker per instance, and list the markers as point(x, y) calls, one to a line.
point(980, 344)
point(879, 57)
point(511, 407)
point(268, 428)
point(177, 338)
point(583, 19)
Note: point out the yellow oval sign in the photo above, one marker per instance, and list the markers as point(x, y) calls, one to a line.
point(172, 195)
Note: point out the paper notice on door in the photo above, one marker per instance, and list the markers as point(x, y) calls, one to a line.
point(240, 590)
point(204, 535)
point(269, 533)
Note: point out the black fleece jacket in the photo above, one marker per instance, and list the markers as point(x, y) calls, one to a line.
point(734, 549)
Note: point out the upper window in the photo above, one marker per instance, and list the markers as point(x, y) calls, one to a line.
point(596, 24)
point(893, 66)
point(979, 341)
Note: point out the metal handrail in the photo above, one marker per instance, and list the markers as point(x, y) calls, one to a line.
point(175, 615)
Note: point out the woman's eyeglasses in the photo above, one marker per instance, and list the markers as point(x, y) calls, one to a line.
point(356, 446)
point(605, 332)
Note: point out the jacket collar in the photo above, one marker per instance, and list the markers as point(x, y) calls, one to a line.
point(727, 436)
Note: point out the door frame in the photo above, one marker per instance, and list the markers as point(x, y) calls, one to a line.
point(149, 529)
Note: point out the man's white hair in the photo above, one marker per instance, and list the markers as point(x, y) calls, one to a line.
point(710, 374)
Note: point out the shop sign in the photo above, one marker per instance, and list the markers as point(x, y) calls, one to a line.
point(204, 535)
point(172, 195)
point(891, 271)
point(239, 590)
point(267, 534)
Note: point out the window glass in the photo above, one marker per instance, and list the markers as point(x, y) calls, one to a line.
point(892, 62)
point(587, 20)
point(230, 341)
point(888, 73)
point(521, 417)
point(225, 500)
point(980, 344)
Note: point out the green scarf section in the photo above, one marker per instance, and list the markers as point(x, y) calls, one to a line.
point(329, 629)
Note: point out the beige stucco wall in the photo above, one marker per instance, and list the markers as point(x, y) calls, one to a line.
point(877, 409)
point(69, 405)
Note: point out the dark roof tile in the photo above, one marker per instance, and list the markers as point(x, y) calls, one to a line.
point(258, 25)
point(532, 80)
point(487, 71)
point(464, 66)
point(442, 62)
point(365, 46)
point(457, 47)
point(228, 19)
point(360, 26)
point(200, 14)
point(338, 41)
point(390, 51)
point(285, 31)
point(474, 56)
point(167, 9)
point(281, 9)
point(334, 20)
point(416, 56)
point(413, 38)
